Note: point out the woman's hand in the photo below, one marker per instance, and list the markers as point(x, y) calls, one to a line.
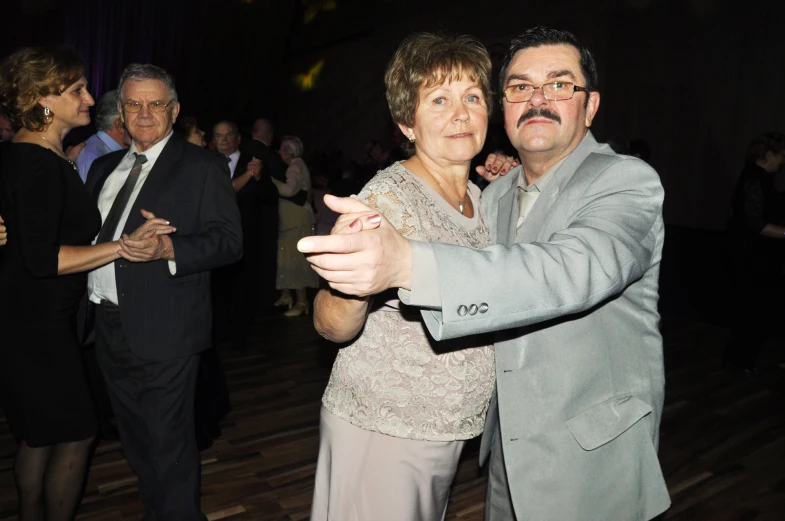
point(496, 164)
point(153, 226)
point(3, 233)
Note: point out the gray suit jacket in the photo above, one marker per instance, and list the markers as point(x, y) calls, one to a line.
point(579, 362)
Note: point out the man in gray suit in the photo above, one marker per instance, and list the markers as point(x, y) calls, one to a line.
point(570, 289)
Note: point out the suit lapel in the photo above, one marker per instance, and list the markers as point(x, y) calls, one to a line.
point(156, 183)
point(504, 216)
point(95, 183)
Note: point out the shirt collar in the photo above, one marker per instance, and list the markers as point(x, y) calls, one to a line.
point(151, 153)
point(108, 141)
point(540, 184)
point(235, 156)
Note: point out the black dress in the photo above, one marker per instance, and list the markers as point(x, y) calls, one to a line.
point(43, 388)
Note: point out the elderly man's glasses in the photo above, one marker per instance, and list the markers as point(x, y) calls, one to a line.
point(154, 106)
point(555, 91)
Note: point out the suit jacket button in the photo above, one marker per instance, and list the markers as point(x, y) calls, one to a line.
point(462, 310)
point(473, 309)
point(483, 307)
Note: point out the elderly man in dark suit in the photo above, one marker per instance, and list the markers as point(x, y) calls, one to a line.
point(153, 318)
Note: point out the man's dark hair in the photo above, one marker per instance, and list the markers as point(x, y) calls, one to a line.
point(539, 36)
point(773, 142)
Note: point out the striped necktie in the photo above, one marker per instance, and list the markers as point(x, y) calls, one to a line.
point(121, 201)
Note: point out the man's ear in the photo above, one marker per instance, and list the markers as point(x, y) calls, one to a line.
point(592, 107)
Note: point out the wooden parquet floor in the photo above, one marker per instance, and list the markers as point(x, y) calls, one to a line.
point(722, 439)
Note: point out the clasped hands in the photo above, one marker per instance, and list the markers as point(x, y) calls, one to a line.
point(363, 255)
point(255, 168)
point(149, 242)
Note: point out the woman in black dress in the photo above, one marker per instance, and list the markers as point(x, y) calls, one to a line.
point(51, 223)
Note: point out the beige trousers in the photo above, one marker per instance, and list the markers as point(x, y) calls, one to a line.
point(368, 476)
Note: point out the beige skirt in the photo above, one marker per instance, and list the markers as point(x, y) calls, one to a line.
point(368, 476)
point(294, 271)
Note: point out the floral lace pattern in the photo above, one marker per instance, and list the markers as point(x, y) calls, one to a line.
point(394, 379)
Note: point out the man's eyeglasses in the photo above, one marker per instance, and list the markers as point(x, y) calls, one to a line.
point(220, 137)
point(154, 106)
point(555, 91)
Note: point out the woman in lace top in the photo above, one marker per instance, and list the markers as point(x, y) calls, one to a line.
point(399, 406)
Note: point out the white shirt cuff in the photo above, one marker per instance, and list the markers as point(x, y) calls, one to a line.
point(172, 267)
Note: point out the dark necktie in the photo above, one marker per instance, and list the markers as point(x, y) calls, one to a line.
point(120, 202)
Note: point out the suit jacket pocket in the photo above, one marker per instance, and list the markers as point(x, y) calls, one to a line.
point(192, 279)
point(606, 421)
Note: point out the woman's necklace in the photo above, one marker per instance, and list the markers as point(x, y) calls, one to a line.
point(460, 203)
point(58, 150)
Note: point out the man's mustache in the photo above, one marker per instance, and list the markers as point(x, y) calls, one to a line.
point(539, 113)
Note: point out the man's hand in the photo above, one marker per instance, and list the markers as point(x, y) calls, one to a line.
point(255, 168)
point(496, 164)
point(72, 152)
point(150, 249)
point(153, 226)
point(3, 233)
point(364, 255)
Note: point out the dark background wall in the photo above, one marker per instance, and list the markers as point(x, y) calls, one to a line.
point(697, 79)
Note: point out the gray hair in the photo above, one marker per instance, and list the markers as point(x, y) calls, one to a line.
point(148, 71)
point(106, 110)
point(293, 146)
point(232, 124)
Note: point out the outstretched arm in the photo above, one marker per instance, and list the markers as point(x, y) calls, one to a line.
point(607, 244)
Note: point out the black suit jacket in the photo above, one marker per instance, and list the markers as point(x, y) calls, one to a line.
point(272, 163)
point(255, 193)
point(169, 316)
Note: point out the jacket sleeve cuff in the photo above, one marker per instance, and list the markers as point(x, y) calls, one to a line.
point(425, 279)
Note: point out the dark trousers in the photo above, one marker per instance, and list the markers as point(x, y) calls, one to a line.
point(153, 403)
point(248, 294)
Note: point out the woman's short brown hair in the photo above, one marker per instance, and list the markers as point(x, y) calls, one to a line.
point(29, 74)
point(188, 125)
point(426, 60)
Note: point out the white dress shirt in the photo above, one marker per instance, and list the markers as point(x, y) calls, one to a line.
point(101, 282)
point(234, 157)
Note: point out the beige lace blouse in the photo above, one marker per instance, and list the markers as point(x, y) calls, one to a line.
point(393, 378)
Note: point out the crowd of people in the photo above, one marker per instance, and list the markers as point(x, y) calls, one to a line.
point(525, 313)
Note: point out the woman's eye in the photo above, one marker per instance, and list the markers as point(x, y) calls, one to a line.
point(439, 101)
